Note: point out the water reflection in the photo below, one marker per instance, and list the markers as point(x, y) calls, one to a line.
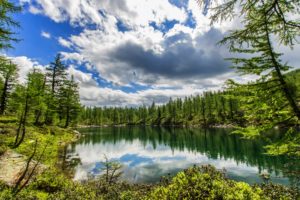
point(148, 153)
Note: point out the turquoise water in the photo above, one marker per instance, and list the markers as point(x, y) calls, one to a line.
point(148, 153)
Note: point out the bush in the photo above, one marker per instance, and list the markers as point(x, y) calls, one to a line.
point(207, 183)
point(278, 192)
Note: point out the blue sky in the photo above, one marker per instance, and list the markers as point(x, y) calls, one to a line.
point(126, 52)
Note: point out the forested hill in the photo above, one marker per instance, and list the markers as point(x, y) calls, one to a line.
point(208, 109)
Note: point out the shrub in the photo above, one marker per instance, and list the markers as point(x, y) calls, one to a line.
point(207, 183)
point(278, 192)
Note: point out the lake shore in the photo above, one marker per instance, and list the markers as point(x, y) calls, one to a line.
point(153, 125)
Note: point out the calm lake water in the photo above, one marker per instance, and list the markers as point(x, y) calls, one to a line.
point(149, 153)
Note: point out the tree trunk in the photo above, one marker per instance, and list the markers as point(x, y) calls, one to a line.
point(4, 96)
point(22, 124)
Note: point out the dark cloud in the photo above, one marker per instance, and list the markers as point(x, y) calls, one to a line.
point(181, 58)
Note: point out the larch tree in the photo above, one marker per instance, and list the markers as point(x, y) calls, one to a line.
point(56, 75)
point(7, 69)
point(69, 101)
point(269, 101)
point(26, 95)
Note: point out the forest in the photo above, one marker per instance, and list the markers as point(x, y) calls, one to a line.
point(41, 120)
point(209, 109)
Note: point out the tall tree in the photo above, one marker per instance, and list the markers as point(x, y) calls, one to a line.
point(56, 75)
point(38, 89)
point(8, 73)
point(265, 22)
point(26, 95)
point(69, 101)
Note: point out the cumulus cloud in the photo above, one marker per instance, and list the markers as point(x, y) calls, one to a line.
point(132, 41)
point(63, 42)
point(132, 12)
point(25, 65)
point(181, 59)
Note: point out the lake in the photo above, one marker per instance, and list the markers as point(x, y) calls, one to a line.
point(147, 153)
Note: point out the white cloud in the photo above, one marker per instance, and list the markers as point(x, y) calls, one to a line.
point(25, 65)
point(45, 34)
point(132, 12)
point(64, 42)
point(104, 49)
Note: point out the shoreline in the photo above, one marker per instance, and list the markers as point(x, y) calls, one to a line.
point(153, 125)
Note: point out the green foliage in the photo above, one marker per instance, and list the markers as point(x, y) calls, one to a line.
point(69, 101)
point(57, 186)
point(49, 98)
point(289, 144)
point(205, 183)
point(211, 108)
point(271, 100)
point(112, 171)
point(279, 192)
point(7, 23)
point(8, 74)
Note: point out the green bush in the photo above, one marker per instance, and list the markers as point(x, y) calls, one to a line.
point(279, 192)
point(57, 186)
point(207, 183)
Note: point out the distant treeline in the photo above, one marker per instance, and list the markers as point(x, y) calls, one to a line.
point(208, 109)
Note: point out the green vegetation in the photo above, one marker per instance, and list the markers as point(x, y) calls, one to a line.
point(207, 183)
point(45, 99)
point(269, 101)
point(195, 183)
point(7, 23)
point(33, 114)
point(210, 109)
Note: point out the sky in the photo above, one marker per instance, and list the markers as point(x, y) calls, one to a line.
point(128, 52)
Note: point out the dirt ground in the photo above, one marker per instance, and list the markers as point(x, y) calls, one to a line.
point(12, 166)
